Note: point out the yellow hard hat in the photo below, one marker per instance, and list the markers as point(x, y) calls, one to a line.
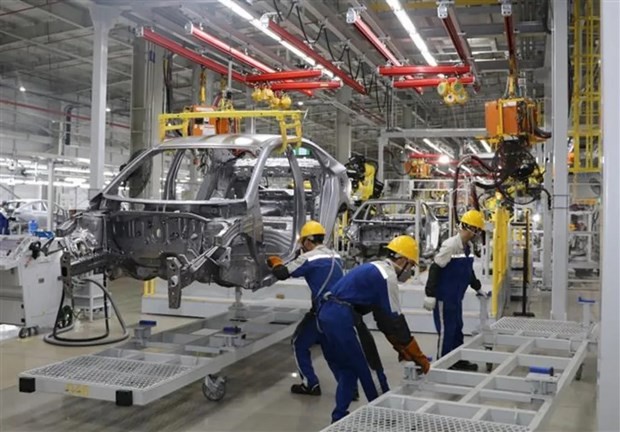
point(473, 218)
point(312, 228)
point(405, 246)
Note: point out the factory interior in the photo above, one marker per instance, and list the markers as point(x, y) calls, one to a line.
point(310, 215)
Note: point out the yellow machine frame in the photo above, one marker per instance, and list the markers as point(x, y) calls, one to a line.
point(289, 122)
point(586, 98)
point(501, 218)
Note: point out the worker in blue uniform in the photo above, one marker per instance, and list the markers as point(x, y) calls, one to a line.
point(322, 268)
point(371, 287)
point(449, 276)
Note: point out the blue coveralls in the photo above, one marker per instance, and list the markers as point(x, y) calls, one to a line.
point(369, 287)
point(456, 275)
point(321, 268)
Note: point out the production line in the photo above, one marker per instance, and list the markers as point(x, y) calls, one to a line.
point(369, 215)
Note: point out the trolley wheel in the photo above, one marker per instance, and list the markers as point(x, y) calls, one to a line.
point(24, 332)
point(489, 367)
point(579, 373)
point(66, 317)
point(214, 387)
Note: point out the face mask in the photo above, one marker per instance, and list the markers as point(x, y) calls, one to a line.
point(404, 274)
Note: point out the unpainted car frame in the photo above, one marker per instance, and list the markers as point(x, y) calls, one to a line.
point(223, 238)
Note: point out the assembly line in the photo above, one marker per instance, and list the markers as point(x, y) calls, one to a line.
point(300, 215)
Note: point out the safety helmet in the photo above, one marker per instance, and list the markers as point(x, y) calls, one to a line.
point(405, 246)
point(312, 228)
point(473, 218)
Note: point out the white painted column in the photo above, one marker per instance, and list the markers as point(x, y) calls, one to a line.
point(609, 350)
point(559, 282)
point(548, 176)
point(383, 142)
point(103, 19)
point(343, 127)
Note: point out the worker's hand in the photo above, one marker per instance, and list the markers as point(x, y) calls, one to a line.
point(484, 294)
point(429, 303)
point(274, 261)
point(476, 285)
point(412, 352)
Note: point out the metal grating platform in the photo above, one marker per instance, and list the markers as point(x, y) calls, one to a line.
point(114, 372)
point(539, 326)
point(372, 419)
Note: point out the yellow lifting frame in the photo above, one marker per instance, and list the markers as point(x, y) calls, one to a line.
point(501, 218)
point(289, 121)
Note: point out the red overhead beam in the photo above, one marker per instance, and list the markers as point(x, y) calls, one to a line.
point(413, 70)
point(429, 82)
point(512, 48)
point(451, 25)
point(227, 49)
point(174, 47)
point(284, 75)
point(284, 34)
point(375, 41)
point(306, 85)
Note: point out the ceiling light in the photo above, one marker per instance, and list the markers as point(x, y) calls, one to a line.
point(237, 9)
point(405, 21)
point(108, 109)
point(444, 159)
point(262, 26)
point(22, 89)
point(473, 149)
point(452, 171)
point(433, 146)
point(300, 103)
point(466, 169)
point(486, 145)
point(536, 217)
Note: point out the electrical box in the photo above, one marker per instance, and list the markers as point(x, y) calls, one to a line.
point(513, 117)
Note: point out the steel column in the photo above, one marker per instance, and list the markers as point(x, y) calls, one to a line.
point(548, 176)
point(343, 127)
point(103, 19)
point(609, 355)
point(559, 286)
point(50, 197)
point(383, 142)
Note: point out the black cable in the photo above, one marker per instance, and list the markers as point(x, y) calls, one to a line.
point(303, 28)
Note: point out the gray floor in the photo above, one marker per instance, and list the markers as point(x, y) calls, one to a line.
point(258, 397)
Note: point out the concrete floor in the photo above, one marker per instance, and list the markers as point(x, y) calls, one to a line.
point(257, 398)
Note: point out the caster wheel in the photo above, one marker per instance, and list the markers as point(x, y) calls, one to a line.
point(579, 373)
point(489, 367)
point(24, 333)
point(214, 388)
point(66, 317)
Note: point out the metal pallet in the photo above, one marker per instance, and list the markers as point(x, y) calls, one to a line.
point(529, 363)
point(150, 367)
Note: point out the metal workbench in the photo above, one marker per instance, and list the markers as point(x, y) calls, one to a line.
point(530, 362)
point(150, 367)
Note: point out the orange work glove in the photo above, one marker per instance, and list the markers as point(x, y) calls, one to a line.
point(412, 352)
point(274, 261)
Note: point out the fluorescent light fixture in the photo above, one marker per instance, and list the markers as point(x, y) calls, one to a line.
point(75, 179)
point(72, 169)
point(258, 23)
point(536, 218)
point(472, 148)
point(452, 170)
point(108, 109)
point(433, 146)
point(300, 103)
point(237, 9)
point(405, 21)
point(22, 89)
point(466, 169)
point(444, 159)
point(486, 145)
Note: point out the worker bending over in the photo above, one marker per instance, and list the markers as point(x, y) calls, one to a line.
point(322, 268)
point(451, 272)
point(371, 287)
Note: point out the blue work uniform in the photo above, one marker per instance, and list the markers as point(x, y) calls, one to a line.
point(455, 273)
point(371, 287)
point(322, 268)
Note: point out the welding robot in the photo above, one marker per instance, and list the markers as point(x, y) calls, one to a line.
point(370, 287)
point(322, 268)
point(449, 276)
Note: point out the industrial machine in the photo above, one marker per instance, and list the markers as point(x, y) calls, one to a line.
point(221, 207)
point(30, 283)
